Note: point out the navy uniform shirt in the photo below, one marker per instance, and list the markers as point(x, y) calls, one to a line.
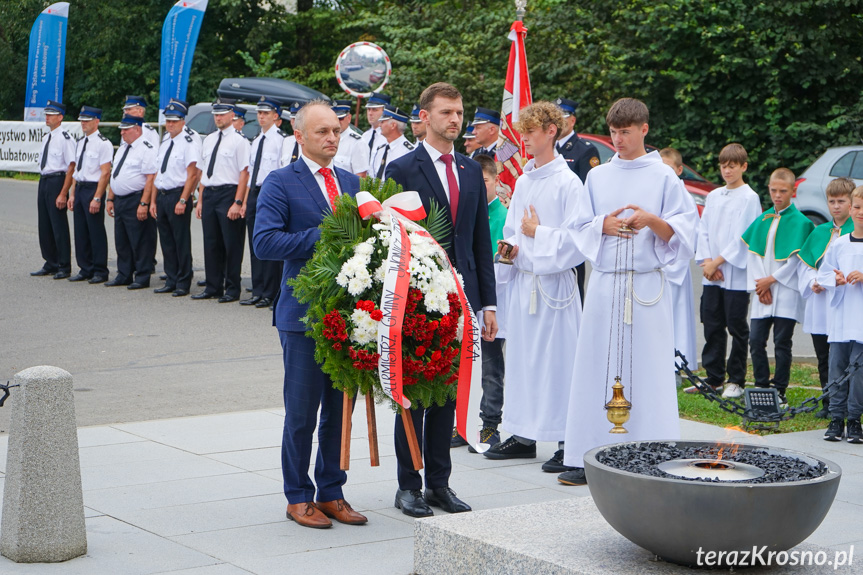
point(581, 156)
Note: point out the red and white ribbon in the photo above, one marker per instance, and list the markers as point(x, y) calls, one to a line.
point(404, 204)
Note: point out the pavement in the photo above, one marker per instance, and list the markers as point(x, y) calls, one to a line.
point(179, 416)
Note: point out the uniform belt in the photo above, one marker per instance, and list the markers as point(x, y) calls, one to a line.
point(171, 191)
point(53, 175)
point(129, 195)
point(85, 184)
point(221, 188)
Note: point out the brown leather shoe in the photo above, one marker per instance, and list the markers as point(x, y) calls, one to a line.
point(341, 511)
point(307, 515)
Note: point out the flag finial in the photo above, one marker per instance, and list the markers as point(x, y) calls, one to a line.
point(519, 9)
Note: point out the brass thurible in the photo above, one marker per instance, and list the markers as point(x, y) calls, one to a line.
point(618, 408)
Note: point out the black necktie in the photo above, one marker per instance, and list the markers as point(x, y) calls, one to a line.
point(213, 157)
point(123, 159)
point(83, 149)
point(167, 155)
point(45, 152)
point(383, 162)
point(296, 153)
point(372, 140)
point(257, 165)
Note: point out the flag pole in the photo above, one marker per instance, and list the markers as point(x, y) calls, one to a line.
point(519, 9)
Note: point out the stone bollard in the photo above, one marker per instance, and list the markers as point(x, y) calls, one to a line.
point(43, 506)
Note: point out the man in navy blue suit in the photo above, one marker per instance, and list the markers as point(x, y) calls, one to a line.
point(292, 202)
point(455, 182)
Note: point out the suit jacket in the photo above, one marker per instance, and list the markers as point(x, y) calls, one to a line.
point(581, 156)
point(290, 208)
point(470, 240)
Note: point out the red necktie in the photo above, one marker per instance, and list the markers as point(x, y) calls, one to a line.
point(452, 182)
point(330, 183)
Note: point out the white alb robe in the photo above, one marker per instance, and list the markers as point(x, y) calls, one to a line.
point(679, 278)
point(845, 301)
point(540, 343)
point(650, 184)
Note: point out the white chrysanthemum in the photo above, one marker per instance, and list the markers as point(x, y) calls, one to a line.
point(371, 240)
point(358, 285)
point(365, 329)
point(363, 249)
point(380, 273)
point(342, 279)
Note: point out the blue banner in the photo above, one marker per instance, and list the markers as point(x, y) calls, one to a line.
point(46, 61)
point(179, 37)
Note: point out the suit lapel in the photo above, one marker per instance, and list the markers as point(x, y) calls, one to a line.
point(344, 183)
point(428, 169)
point(310, 184)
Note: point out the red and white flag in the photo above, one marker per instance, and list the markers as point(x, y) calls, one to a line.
point(516, 95)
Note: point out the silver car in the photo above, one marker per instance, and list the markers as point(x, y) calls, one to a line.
point(844, 162)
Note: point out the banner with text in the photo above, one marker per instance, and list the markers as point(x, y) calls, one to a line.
point(46, 61)
point(179, 37)
point(21, 144)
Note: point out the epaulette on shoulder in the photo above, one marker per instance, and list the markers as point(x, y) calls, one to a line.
point(102, 137)
point(408, 145)
point(148, 144)
point(354, 135)
point(66, 134)
point(189, 138)
point(149, 127)
point(281, 133)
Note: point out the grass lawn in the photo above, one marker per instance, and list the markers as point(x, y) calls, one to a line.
point(804, 384)
point(19, 175)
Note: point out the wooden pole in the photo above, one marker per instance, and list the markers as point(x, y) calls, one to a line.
point(347, 410)
point(408, 421)
point(372, 421)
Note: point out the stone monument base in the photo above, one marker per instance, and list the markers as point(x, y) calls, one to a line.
point(567, 537)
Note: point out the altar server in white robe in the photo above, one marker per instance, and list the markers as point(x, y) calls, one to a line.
point(635, 188)
point(542, 303)
point(680, 280)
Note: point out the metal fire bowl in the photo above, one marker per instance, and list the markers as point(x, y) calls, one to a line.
point(673, 518)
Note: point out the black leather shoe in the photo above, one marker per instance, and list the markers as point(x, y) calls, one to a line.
point(42, 272)
point(265, 302)
point(251, 301)
point(445, 498)
point(411, 503)
point(204, 295)
point(180, 293)
point(61, 275)
point(202, 283)
point(165, 289)
point(78, 278)
point(117, 282)
point(97, 280)
point(228, 298)
point(138, 285)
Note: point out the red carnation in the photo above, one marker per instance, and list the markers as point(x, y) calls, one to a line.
point(420, 351)
point(377, 315)
point(337, 346)
point(435, 355)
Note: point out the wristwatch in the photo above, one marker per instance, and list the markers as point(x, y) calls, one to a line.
point(238, 202)
point(97, 200)
point(183, 201)
point(144, 204)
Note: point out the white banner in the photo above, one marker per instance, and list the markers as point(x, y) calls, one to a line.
point(21, 144)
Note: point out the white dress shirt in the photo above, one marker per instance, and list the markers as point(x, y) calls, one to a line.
point(274, 139)
point(151, 134)
point(353, 155)
point(288, 147)
point(440, 168)
point(60, 150)
point(319, 177)
point(379, 139)
point(393, 150)
point(99, 152)
point(185, 151)
point(139, 163)
point(233, 158)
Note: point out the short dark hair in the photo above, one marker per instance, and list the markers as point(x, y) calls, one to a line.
point(487, 164)
point(627, 112)
point(438, 89)
point(733, 154)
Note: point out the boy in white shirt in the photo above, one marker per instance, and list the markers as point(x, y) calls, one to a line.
point(725, 299)
point(841, 274)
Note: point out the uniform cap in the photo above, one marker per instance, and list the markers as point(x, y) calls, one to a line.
point(468, 133)
point(53, 107)
point(378, 100)
point(132, 101)
point(342, 108)
point(89, 113)
point(393, 113)
point(568, 107)
point(130, 122)
point(485, 115)
point(415, 114)
point(268, 105)
point(175, 110)
point(222, 107)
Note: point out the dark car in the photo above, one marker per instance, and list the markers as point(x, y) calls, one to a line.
point(250, 90)
point(697, 185)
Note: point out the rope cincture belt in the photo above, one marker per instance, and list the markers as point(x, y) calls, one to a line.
point(553, 303)
point(630, 292)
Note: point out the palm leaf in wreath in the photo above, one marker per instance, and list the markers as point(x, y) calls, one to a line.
point(437, 224)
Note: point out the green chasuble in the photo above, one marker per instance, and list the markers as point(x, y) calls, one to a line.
point(818, 241)
point(496, 218)
point(791, 233)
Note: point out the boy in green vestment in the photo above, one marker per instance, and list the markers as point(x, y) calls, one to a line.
point(773, 239)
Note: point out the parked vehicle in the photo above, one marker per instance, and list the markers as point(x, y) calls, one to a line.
point(697, 185)
point(842, 162)
point(250, 90)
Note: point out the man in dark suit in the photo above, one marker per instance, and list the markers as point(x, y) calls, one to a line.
point(291, 204)
point(455, 182)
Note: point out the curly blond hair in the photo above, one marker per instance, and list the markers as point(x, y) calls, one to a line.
point(539, 115)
